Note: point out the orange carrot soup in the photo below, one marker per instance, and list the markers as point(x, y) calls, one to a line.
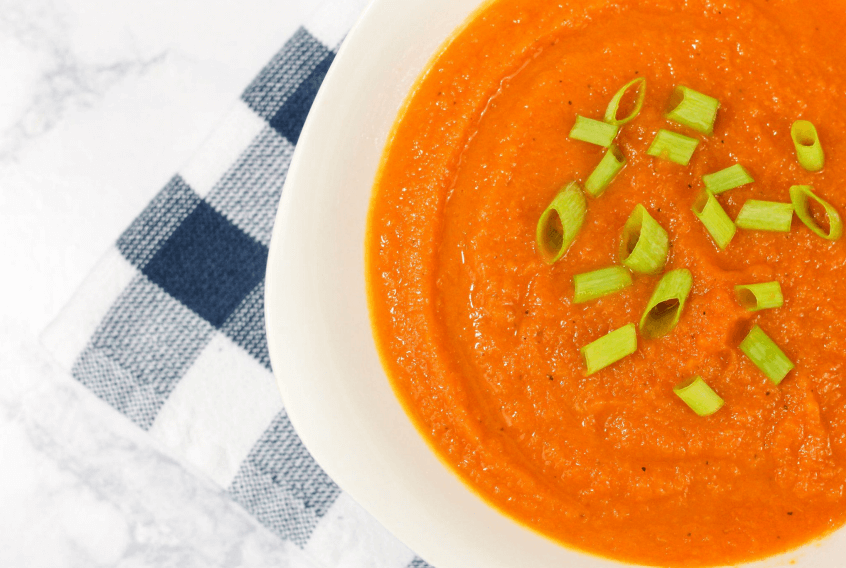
point(606, 271)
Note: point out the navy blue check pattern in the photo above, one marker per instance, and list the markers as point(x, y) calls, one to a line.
point(200, 271)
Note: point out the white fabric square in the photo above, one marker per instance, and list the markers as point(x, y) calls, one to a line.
point(349, 537)
point(220, 151)
point(71, 331)
point(218, 410)
point(334, 19)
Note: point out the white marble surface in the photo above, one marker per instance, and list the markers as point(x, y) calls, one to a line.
point(100, 102)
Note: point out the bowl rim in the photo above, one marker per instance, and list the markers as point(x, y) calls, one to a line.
point(443, 543)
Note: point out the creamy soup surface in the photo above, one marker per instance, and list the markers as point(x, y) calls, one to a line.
point(481, 337)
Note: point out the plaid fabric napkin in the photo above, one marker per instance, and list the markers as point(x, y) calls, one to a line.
point(169, 327)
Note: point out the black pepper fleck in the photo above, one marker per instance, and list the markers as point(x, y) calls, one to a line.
point(790, 512)
point(643, 468)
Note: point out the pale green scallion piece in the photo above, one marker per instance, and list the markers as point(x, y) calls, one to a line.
point(593, 285)
point(593, 131)
point(644, 243)
point(612, 162)
point(666, 304)
point(560, 223)
point(765, 216)
point(726, 179)
point(799, 195)
point(610, 348)
point(693, 109)
point(719, 225)
point(766, 355)
point(809, 151)
point(614, 105)
point(762, 296)
point(672, 146)
point(698, 396)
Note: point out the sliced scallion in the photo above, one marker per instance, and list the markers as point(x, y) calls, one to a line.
point(610, 348)
point(673, 146)
point(765, 216)
point(593, 131)
point(614, 105)
point(693, 109)
point(560, 222)
point(698, 396)
point(799, 195)
point(592, 285)
point(809, 151)
point(666, 304)
point(719, 225)
point(607, 169)
point(762, 296)
point(644, 243)
point(766, 355)
point(726, 179)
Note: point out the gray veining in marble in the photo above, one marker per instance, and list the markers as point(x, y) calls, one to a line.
point(100, 102)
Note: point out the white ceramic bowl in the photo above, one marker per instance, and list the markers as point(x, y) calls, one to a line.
point(321, 346)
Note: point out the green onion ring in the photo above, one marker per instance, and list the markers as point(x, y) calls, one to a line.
point(644, 243)
point(614, 105)
point(799, 195)
point(666, 304)
point(560, 223)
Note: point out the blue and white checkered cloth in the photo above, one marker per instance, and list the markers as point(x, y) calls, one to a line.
point(169, 327)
